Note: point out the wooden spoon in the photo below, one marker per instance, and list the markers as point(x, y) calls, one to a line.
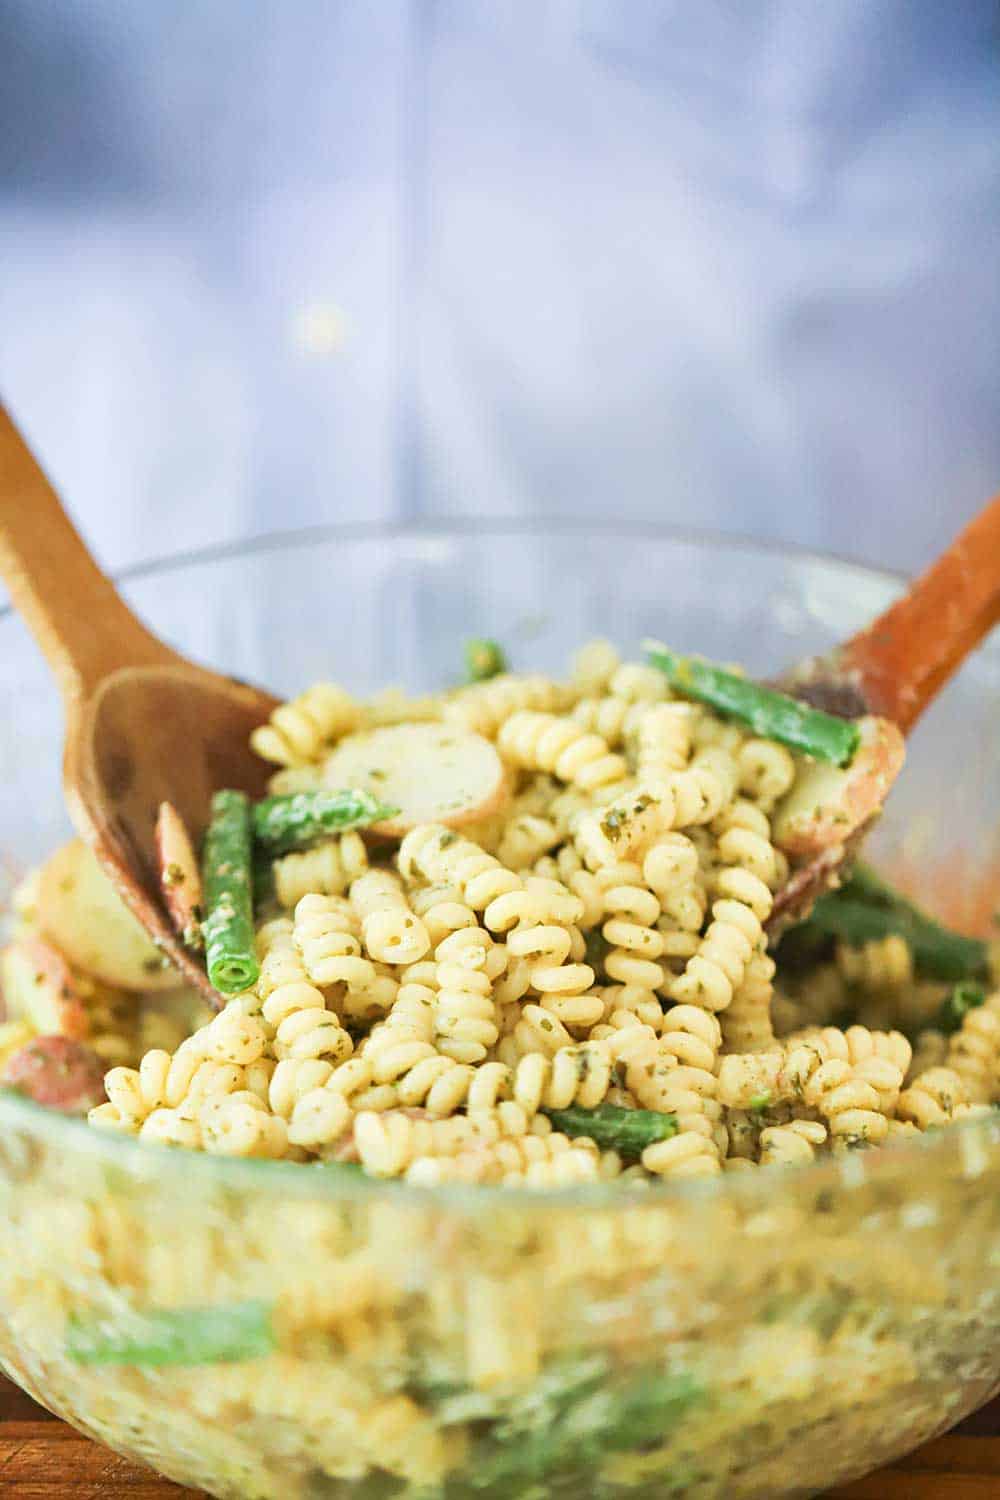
point(143, 724)
point(893, 668)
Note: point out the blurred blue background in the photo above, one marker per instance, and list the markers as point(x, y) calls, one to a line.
point(728, 264)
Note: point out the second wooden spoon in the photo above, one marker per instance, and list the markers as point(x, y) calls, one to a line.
point(893, 668)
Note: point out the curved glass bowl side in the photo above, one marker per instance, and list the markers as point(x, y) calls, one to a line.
point(770, 1338)
point(763, 1333)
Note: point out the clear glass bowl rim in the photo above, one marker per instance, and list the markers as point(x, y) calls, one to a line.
point(913, 1159)
point(441, 528)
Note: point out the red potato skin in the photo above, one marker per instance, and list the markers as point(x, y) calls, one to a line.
point(54, 977)
point(486, 807)
point(489, 802)
point(346, 1149)
point(58, 1072)
point(180, 877)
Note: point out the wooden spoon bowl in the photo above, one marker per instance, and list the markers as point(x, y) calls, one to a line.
point(894, 668)
point(143, 724)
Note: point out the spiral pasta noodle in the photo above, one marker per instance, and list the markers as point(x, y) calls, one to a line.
point(746, 872)
point(883, 963)
point(390, 930)
point(239, 1124)
point(624, 1004)
point(676, 800)
point(792, 1145)
point(403, 1057)
point(711, 976)
point(632, 912)
point(325, 935)
point(303, 1026)
point(766, 772)
point(485, 706)
point(974, 1052)
point(672, 871)
point(848, 1096)
point(572, 1075)
point(299, 731)
point(440, 856)
point(658, 1081)
point(327, 870)
point(933, 1098)
point(388, 1143)
point(635, 682)
point(593, 665)
point(930, 1051)
point(444, 912)
point(568, 868)
point(464, 1014)
point(539, 923)
point(614, 719)
point(684, 1155)
point(663, 741)
point(746, 1022)
point(858, 1044)
point(548, 742)
point(539, 1161)
point(526, 838)
point(850, 1105)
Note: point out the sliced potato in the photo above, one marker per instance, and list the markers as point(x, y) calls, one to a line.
point(434, 773)
point(828, 803)
point(39, 988)
point(58, 1072)
point(82, 913)
point(180, 877)
point(13, 1035)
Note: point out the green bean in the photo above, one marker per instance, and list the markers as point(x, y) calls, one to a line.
point(175, 1336)
point(865, 908)
point(484, 659)
point(627, 1131)
point(772, 715)
point(649, 1407)
point(262, 876)
point(226, 875)
point(300, 818)
point(557, 1441)
point(956, 1006)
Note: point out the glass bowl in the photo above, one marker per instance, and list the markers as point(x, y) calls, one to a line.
point(764, 1334)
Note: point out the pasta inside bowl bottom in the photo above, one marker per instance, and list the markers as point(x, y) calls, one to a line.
point(274, 1328)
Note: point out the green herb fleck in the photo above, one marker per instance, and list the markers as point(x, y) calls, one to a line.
point(956, 1006)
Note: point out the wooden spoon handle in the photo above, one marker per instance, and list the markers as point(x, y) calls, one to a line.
point(74, 612)
point(903, 658)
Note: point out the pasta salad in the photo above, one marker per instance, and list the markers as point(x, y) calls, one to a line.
point(519, 933)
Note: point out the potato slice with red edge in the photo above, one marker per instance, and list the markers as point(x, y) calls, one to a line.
point(58, 1072)
point(828, 803)
point(180, 877)
point(82, 913)
point(434, 773)
point(38, 986)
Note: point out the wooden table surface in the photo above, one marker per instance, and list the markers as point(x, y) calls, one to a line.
point(43, 1459)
